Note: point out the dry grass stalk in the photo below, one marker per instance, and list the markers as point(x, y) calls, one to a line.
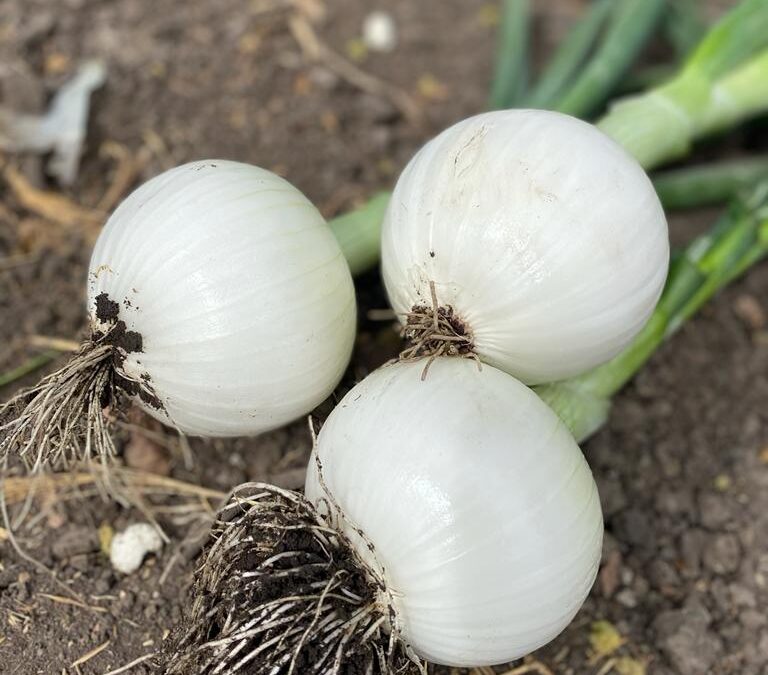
point(89, 655)
point(128, 170)
point(18, 488)
point(316, 50)
point(52, 206)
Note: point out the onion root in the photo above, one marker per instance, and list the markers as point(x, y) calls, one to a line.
point(282, 590)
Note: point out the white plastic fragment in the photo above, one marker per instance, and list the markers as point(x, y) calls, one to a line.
point(130, 546)
point(62, 129)
point(380, 32)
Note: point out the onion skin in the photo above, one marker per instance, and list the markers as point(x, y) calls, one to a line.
point(483, 514)
point(239, 291)
point(545, 237)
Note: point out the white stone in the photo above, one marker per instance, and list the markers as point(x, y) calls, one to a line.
point(379, 32)
point(130, 546)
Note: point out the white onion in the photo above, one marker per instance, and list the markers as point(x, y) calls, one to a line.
point(240, 293)
point(544, 236)
point(484, 516)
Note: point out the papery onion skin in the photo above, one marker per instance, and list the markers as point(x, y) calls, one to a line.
point(542, 233)
point(240, 293)
point(479, 504)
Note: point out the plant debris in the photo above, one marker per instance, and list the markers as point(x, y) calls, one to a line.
point(62, 129)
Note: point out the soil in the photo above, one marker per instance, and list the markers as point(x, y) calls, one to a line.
point(682, 466)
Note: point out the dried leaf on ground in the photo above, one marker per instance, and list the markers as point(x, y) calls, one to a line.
point(62, 129)
point(604, 639)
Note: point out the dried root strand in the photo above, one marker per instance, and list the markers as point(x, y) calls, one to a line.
point(433, 331)
point(60, 420)
point(281, 591)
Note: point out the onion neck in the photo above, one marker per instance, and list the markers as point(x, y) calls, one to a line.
point(359, 233)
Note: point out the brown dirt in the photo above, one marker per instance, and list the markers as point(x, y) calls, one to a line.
point(682, 466)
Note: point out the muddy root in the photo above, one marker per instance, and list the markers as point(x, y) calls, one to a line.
point(281, 591)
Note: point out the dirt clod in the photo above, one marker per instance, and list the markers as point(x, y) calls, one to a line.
point(107, 310)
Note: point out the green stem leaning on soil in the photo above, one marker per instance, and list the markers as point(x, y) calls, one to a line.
point(724, 81)
point(736, 242)
point(359, 233)
point(511, 72)
point(709, 184)
point(629, 29)
point(569, 56)
point(684, 25)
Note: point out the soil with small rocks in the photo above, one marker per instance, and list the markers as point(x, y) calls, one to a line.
point(682, 466)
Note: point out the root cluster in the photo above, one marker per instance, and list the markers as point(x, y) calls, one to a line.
point(433, 331)
point(281, 590)
point(60, 421)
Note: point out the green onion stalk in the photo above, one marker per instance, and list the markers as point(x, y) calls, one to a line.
point(569, 56)
point(723, 82)
point(709, 184)
point(630, 26)
point(511, 71)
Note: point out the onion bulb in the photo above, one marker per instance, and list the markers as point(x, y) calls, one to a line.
point(471, 525)
point(218, 299)
point(482, 511)
point(538, 239)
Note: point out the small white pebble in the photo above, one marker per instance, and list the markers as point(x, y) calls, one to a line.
point(380, 32)
point(131, 545)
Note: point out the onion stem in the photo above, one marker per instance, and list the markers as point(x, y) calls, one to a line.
point(631, 25)
point(724, 81)
point(359, 233)
point(511, 70)
point(736, 242)
point(708, 184)
point(684, 26)
point(569, 56)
